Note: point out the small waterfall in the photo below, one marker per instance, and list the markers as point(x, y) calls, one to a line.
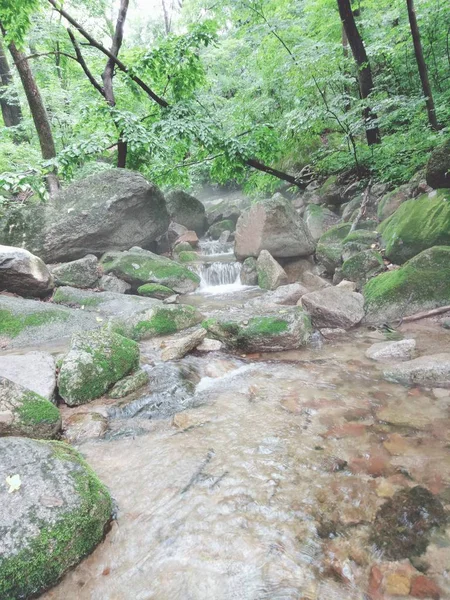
point(214, 247)
point(220, 274)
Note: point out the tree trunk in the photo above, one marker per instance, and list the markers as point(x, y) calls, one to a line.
point(166, 17)
point(108, 75)
point(38, 112)
point(423, 71)
point(11, 111)
point(364, 70)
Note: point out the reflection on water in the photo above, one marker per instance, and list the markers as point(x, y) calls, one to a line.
point(265, 487)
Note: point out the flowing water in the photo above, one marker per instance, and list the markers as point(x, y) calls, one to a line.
point(219, 272)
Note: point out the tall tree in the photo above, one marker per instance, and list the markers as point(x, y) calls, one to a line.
point(422, 65)
point(9, 101)
point(364, 71)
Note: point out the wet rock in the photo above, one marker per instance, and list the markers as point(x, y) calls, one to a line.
point(362, 266)
point(25, 413)
point(96, 361)
point(272, 331)
point(431, 370)
point(424, 587)
point(129, 384)
point(81, 273)
point(421, 284)
point(138, 267)
point(319, 219)
point(334, 307)
point(179, 347)
point(161, 320)
point(218, 228)
point(332, 332)
point(84, 426)
point(23, 273)
point(350, 286)
point(411, 412)
point(33, 370)
point(188, 237)
point(56, 516)
point(296, 267)
point(111, 283)
point(175, 231)
point(155, 290)
point(313, 282)
point(438, 168)
point(187, 210)
point(403, 523)
point(285, 295)
point(209, 345)
point(272, 225)
point(108, 211)
point(249, 272)
point(392, 351)
point(270, 274)
point(330, 247)
point(397, 583)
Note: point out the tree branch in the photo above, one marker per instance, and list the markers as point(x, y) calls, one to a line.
point(83, 64)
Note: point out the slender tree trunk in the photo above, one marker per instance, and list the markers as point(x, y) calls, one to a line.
point(423, 71)
point(108, 75)
point(364, 70)
point(166, 17)
point(38, 112)
point(11, 111)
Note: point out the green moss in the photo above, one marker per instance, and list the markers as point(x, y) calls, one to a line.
point(188, 256)
point(363, 266)
point(63, 544)
point(330, 246)
point(137, 267)
point(361, 236)
point(72, 298)
point(165, 321)
point(183, 246)
point(36, 410)
point(216, 230)
point(416, 225)
point(155, 290)
point(266, 326)
point(12, 324)
point(208, 323)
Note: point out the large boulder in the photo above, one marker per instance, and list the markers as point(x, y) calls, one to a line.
point(438, 168)
point(23, 412)
point(187, 210)
point(334, 307)
point(81, 273)
point(273, 330)
point(331, 245)
point(249, 272)
point(433, 370)
point(95, 362)
point(23, 273)
point(270, 273)
point(363, 266)
point(138, 267)
point(422, 283)
point(319, 219)
point(272, 225)
point(112, 210)
point(33, 370)
point(418, 224)
point(53, 513)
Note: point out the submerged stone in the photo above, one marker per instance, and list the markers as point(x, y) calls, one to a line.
point(431, 370)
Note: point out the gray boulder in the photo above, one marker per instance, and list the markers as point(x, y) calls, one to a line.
point(334, 307)
point(438, 168)
point(270, 273)
point(392, 351)
point(249, 272)
point(111, 210)
point(433, 370)
point(272, 225)
point(285, 295)
point(179, 347)
point(187, 210)
point(111, 283)
point(23, 273)
point(56, 515)
point(33, 370)
point(23, 412)
point(319, 219)
point(95, 362)
point(81, 273)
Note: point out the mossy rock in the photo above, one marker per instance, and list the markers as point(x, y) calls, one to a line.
point(423, 283)
point(96, 361)
point(76, 298)
point(57, 516)
point(363, 266)
point(216, 230)
point(418, 224)
point(129, 384)
point(183, 247)
point(391, 201)
point(438, 168)
point(154, 290)
point(186, 210)
point(161, 320)
point(187, 257)
point(357, 241)
point(330, 246)
point(273, 331)
point(138, 268)
point(26, 413)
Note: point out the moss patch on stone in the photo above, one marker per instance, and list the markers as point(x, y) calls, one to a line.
point(63, 544)
point(155, 290)
point(36, 410)
point(129, 384)
point(12, 325)
point(216, 230)
point(71, 298)
point(362, 266)
point(165, 321)
point(330, 246)
point(187, 257)
point(143, 269)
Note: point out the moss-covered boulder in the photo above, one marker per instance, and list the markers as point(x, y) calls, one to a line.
point(272, 331)
point(438, 168)
point(81, 273)
point(319, 220)
point(418, 224)
point(187, 257)
point(330, 246)
point(53, 512)
point(183, 247)
point(391, 201)
point(25, 413)
point(270, 273)
point(249, 272)
point(216, 230)
point(138, 267)
point(129, 384)
point(357, 241)
point(154, 290)
point(420, 284)
point(160, 320)
point(186, 210)
point(363, 266)
point(95, 362)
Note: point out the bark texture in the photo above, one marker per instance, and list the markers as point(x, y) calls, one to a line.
point(11, 111)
